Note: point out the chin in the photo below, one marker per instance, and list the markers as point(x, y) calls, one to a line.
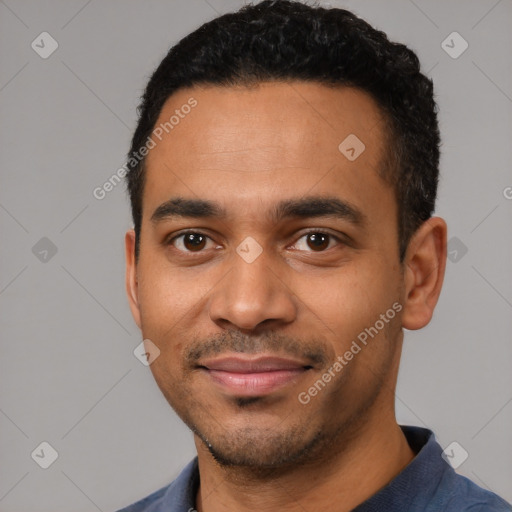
point(261, 449)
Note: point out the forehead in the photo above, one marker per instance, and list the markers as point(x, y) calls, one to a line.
point(265, 142)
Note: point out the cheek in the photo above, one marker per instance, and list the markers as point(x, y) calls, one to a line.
point(166, 294)
point(349, 299)
point(165, 306)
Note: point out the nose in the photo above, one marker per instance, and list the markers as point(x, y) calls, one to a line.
point(252, 295)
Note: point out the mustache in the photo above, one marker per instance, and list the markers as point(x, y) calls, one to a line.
point(313, 351)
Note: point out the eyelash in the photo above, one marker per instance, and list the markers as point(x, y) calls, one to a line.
point(170, 241)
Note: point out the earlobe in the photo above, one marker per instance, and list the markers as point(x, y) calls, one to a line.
point(131, 281)
point(425, 263)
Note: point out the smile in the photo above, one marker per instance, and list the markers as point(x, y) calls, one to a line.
point(244, 377)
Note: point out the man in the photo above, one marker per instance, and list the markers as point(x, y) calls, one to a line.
point(283, 177)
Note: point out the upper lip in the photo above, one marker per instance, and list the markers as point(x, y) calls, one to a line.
point(238, 364)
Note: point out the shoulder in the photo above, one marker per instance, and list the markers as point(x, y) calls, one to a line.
point(151, 503)
point(432, 485)
point(459, 494)
point(177, 496)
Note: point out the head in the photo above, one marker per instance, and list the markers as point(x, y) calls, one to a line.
point(282, 178)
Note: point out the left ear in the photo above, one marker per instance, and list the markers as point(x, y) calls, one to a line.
point(425, 263)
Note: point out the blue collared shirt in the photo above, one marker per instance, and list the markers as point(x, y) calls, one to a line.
point(427, 484)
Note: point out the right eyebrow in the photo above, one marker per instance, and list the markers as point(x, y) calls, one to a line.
point(181, 207)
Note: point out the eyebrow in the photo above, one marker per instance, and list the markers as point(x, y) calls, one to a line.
point(303, 208)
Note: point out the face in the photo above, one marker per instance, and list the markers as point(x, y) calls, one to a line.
point(268, 254)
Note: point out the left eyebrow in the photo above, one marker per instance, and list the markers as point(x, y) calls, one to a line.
point(312, 207)
point(303, 208)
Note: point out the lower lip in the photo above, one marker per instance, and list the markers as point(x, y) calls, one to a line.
point(254, 384)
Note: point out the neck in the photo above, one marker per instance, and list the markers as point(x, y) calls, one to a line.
point(354, 469)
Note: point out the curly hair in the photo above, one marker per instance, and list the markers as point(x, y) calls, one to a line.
point(281, 40)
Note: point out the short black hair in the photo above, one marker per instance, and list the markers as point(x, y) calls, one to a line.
point(281, 40)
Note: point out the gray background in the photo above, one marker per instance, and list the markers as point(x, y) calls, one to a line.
point(67, 370)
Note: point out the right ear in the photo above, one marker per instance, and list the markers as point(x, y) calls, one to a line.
point(132, 285)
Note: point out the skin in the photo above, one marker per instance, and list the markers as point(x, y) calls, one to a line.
point(249, 148)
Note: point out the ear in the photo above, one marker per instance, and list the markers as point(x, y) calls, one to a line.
point(425, 263)
point(131, 276)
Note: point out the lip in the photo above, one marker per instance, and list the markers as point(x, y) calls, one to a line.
point(262, 375)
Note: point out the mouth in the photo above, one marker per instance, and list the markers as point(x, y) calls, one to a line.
point(256, 376)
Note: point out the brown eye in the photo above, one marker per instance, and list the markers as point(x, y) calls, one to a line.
point(190, 242)
point(194, 241)
point(318, 241)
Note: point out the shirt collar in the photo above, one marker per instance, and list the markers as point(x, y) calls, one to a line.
point(424, 472)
